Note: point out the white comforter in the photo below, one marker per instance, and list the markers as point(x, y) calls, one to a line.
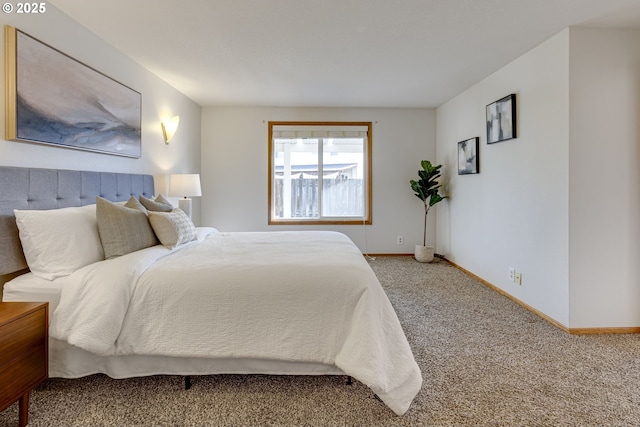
point(292, 296)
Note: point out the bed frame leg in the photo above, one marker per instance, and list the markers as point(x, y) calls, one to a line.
point(349, 380)
point(187, 382)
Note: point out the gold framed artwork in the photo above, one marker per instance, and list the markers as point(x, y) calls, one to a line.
point(53, 99)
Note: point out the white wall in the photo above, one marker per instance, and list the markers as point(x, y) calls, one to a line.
point(514, 213)
point(604, 182)
point(562, 201)
point(234, 170)
point(159, 100)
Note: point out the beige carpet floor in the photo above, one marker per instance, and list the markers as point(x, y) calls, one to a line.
point(485, 362)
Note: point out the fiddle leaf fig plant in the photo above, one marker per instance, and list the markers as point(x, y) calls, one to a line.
point(426, 189)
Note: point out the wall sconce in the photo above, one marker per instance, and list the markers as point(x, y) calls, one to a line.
point(185, 185)
point(169, 127)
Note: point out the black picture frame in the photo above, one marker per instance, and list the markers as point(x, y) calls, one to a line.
point(501, 119)
point(468, 153)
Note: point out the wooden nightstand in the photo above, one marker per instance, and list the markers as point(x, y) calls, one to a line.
point(24, 354)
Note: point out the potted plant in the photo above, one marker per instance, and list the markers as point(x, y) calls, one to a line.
point(426, 189)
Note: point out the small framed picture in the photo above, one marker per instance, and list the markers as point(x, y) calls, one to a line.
point(468, 156)
point(501, 119)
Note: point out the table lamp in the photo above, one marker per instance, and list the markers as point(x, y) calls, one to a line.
point(185, 185)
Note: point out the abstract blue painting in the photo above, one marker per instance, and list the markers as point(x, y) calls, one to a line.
point(61, 101)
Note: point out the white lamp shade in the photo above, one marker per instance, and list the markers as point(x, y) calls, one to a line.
point(185, 185)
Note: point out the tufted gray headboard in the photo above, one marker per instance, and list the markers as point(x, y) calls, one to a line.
point(30, 188)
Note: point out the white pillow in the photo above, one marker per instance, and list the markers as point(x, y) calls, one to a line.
point(58, 242)
point(172, 228)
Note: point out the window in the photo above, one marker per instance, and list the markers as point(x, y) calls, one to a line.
point(319, 172)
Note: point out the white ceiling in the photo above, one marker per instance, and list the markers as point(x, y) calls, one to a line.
point(334, 53)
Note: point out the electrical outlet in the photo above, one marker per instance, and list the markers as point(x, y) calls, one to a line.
point(400, 240)
point(518, 278)
point(512, 274)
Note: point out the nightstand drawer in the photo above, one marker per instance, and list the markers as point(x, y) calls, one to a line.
point(22, 374)
point(21, 335)
point(24, 352)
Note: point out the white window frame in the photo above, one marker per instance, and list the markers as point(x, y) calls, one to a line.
point(351, 220)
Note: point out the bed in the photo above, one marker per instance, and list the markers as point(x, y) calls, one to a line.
point(194, 301)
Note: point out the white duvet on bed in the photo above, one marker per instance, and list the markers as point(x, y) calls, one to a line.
point(291, 296)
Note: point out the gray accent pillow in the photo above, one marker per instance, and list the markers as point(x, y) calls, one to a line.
point(161, 199)
point(133, 203)
point(172, 228)
point(122, 230)
point(156, 205)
